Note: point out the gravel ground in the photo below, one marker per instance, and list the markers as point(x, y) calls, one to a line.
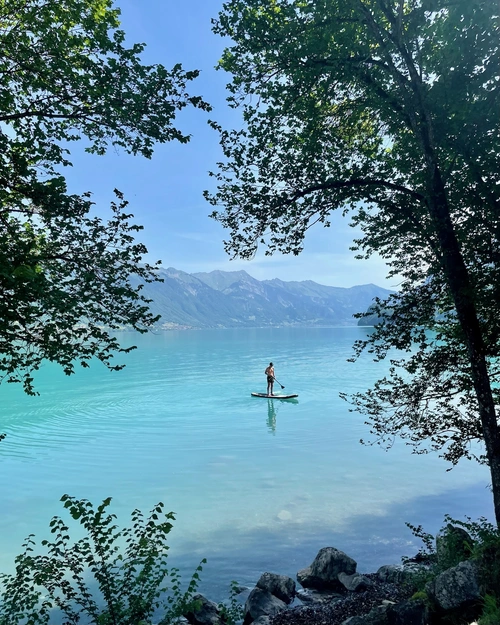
point(336, 612)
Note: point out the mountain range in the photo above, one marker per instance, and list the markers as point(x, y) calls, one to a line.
point(233, 299)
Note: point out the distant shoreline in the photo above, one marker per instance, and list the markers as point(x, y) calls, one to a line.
point(267, 327)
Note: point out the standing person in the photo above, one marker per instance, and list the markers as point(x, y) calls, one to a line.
point(270, 378)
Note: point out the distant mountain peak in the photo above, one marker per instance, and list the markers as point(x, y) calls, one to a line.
point(228, 299)
point(222, 280)
point(240, 272)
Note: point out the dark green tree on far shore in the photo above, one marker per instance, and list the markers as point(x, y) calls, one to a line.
point(66, 276)
point(388, 110)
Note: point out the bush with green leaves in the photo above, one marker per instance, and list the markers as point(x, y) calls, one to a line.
point(491, 611)
point(111, 576)
point(486, 551)
point(482, 545)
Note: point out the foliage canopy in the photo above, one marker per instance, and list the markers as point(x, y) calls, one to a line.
point(66, 275)
point(388, 110)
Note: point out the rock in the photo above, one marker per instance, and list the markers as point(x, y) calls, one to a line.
point(354, 583)
point(305, 577)
point(208, 612)
point(453, 545)
point(411, 612)
point(323, 572)
point(309, 595)
point(370, 606)
point(262, 620)
point(457, 587)
point(391, 573)
point(261, 603)
point(280, 586)
point(399, 573)
point(376, 616)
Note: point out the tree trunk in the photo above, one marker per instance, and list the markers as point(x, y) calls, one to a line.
point(461, 289)
point(457, 277)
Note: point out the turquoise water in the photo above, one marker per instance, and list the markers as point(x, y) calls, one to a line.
point(256, 484)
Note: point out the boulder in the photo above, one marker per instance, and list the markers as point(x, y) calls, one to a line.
point(391, 573)
point(400, 573)
point(455, 588)
point(323, 572)
point(207, 613)
point(355, 583)
point(261, 603)
point(411, 612)
point(280, 586)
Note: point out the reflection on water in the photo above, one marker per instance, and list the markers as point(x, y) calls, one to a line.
point(271, 416)
point(273, 406)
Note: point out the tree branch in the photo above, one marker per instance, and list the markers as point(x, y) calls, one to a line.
point(357, 182)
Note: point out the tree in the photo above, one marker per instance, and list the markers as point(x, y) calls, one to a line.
point(388, 110)
point(66, 276)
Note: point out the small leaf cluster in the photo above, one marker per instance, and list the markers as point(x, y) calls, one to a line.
point(110, 576)
point(427, 553)
point(232, 611)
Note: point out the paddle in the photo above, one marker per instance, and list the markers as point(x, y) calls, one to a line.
point(279, 383)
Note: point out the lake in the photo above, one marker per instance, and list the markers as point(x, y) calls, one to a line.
point(257, 485)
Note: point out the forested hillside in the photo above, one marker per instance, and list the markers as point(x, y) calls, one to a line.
point(234, 299)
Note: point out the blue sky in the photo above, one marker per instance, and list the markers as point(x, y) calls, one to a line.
point(165, 193)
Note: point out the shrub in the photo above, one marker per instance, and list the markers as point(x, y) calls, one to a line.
point(491, 611)
point(427, 553)
point(453, 545)
point(478, 540)
point(108, 577)
point(485, 550)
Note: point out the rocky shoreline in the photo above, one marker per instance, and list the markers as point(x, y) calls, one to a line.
point(331, 592)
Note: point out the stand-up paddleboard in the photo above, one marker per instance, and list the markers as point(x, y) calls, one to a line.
point(273, 396)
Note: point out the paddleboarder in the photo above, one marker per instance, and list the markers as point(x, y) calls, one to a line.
point(270, 379)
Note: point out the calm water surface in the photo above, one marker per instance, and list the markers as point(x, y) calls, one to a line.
point(256, 484)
